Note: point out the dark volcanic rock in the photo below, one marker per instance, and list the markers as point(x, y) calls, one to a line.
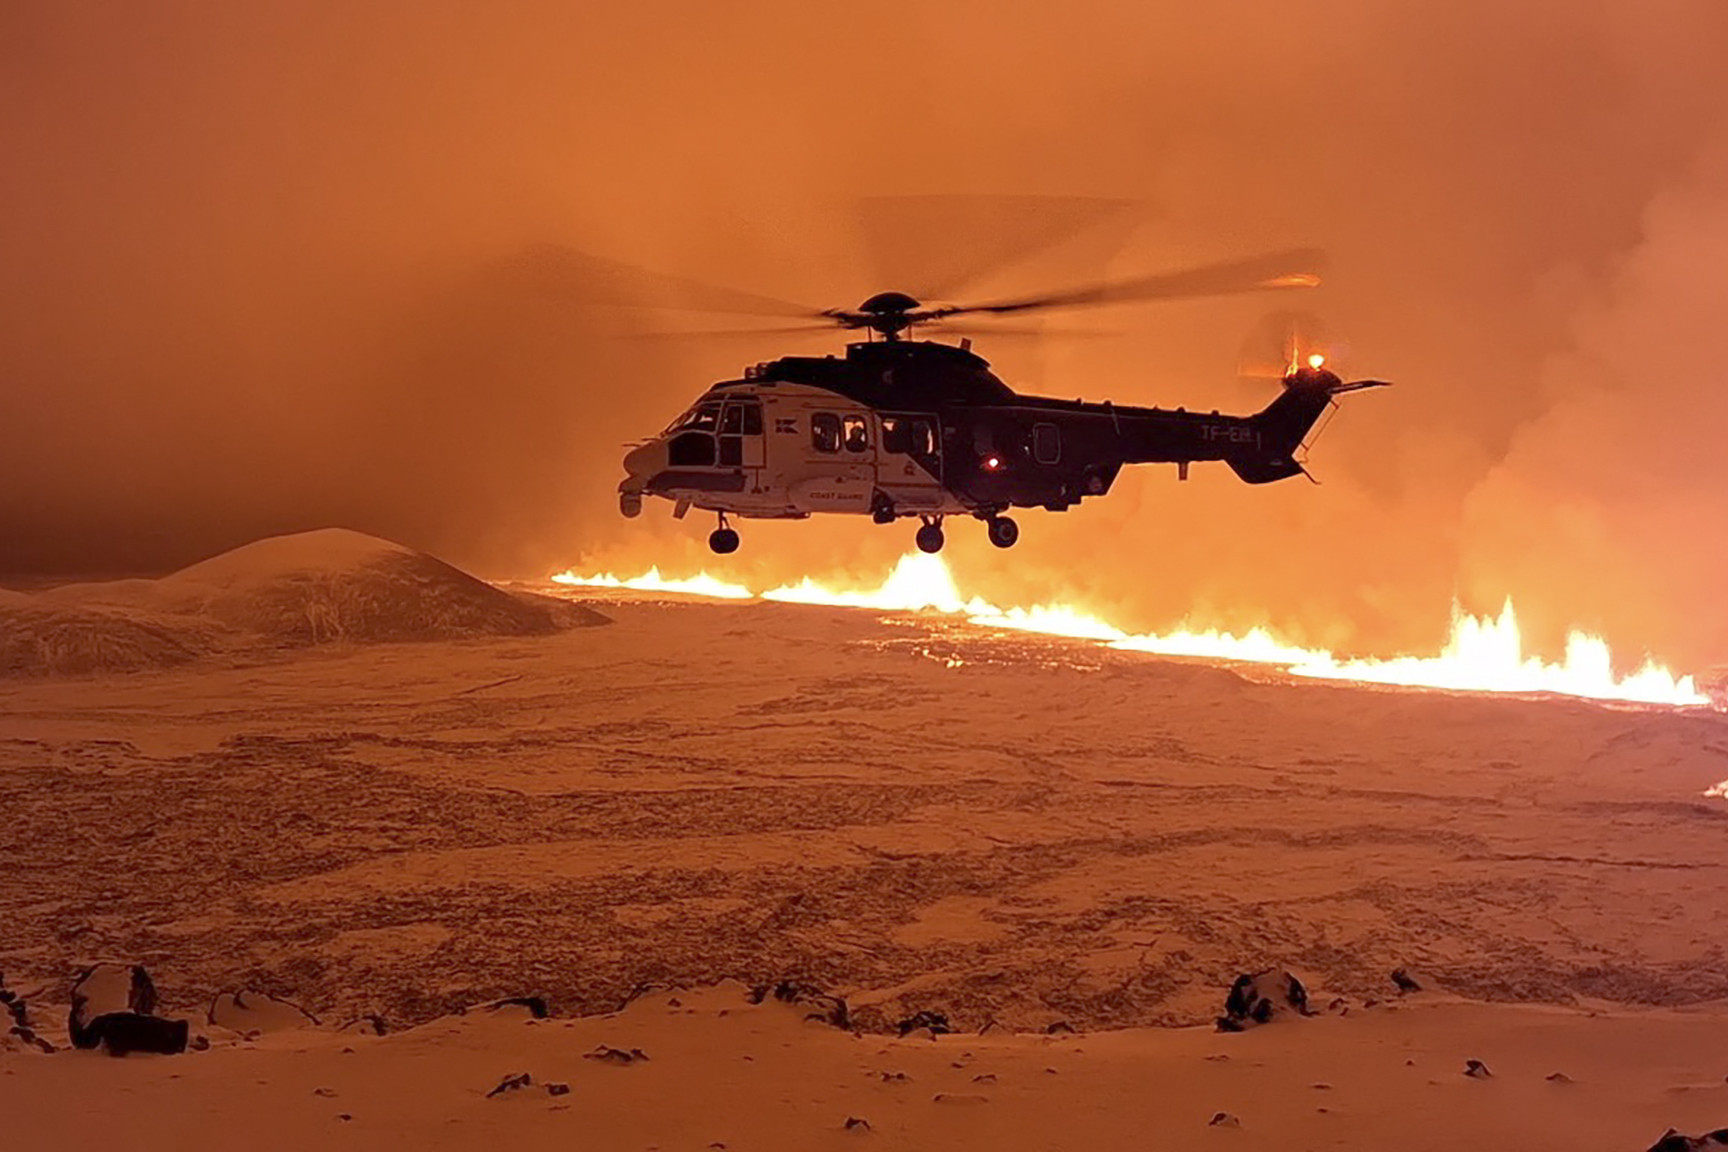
point(511, 1083)
point(1259, 997)
point(370, 1024)
point(16, 1023)
point(113, 1007)
point(935, 1022)
point(824, 1007)
point(534, 1006)
point(247, 1011)
point(1673, 1141)
point(1404, 981)
point(609, 1055)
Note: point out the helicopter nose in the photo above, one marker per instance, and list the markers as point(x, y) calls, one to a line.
point(645, 461)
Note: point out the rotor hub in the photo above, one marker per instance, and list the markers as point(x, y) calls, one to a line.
point(888, 314)
point(885, 303)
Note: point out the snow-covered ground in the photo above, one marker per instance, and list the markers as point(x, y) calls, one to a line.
point(911, 813)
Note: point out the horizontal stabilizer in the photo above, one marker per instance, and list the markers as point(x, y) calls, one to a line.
point(1264, 470)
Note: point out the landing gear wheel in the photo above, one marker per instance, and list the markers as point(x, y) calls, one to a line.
point(1003, 531)
point(723, 541)
point(930, 538)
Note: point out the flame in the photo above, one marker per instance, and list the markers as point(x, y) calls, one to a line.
point(1484, 654)
point(701, 584)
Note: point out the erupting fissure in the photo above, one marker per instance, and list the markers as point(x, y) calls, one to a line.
point(1484, 654)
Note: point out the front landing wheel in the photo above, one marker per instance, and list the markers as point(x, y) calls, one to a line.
point(1003, 531)
point(723, 541)
point(930, 538)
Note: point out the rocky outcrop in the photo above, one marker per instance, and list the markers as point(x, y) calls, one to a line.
point(1405, 982)
point(819, 1005)
point(1673, 1141)
point(935, 1023)
point(17, 1024)
point(1261, 997)
point(114, 1008)
point(252, 1013)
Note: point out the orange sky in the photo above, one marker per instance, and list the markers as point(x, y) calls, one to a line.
point(249, 258)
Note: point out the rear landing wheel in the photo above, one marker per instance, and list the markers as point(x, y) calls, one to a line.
point(1003, 531)
point(930, 538)
point(723, 540)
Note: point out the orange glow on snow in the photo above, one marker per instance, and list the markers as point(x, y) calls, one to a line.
point(1484, 654)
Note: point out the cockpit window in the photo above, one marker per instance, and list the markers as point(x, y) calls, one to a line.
point(702, 418)
point(691, 450)
point(825, 432)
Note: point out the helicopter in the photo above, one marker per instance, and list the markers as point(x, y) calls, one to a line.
point(903, 428)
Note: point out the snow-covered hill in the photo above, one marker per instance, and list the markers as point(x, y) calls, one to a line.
point(327, 586)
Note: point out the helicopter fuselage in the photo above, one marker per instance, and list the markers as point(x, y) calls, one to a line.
point(916, 428)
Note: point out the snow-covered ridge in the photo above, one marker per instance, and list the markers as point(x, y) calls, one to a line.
point(328, 586)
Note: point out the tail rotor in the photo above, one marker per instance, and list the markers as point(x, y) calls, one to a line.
point(1297, 349)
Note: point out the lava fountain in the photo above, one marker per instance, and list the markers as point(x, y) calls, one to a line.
point(1483, 654)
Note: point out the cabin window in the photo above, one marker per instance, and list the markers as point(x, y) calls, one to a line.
point(691, 450)
point(825, 432)
point(1046, 443)
point(752, 419)
point(923, 438)
point(856, 436)
point(896, 436)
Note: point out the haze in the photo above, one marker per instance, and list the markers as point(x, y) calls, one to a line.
point(256, 266)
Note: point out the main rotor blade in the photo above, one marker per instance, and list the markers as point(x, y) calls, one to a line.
point(985, 330)
point(936, 246)
point(1296, 268)
point(707, 333)
point(557, 272)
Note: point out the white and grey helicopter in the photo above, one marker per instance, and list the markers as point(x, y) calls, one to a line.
point(901, 428)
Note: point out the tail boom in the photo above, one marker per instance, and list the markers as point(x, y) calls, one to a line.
point(1284, 425)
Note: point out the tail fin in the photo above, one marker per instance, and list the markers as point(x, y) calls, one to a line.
point(1285, 423)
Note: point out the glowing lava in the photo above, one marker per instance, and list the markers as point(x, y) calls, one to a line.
point(701, 584)
point(1484, 654)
